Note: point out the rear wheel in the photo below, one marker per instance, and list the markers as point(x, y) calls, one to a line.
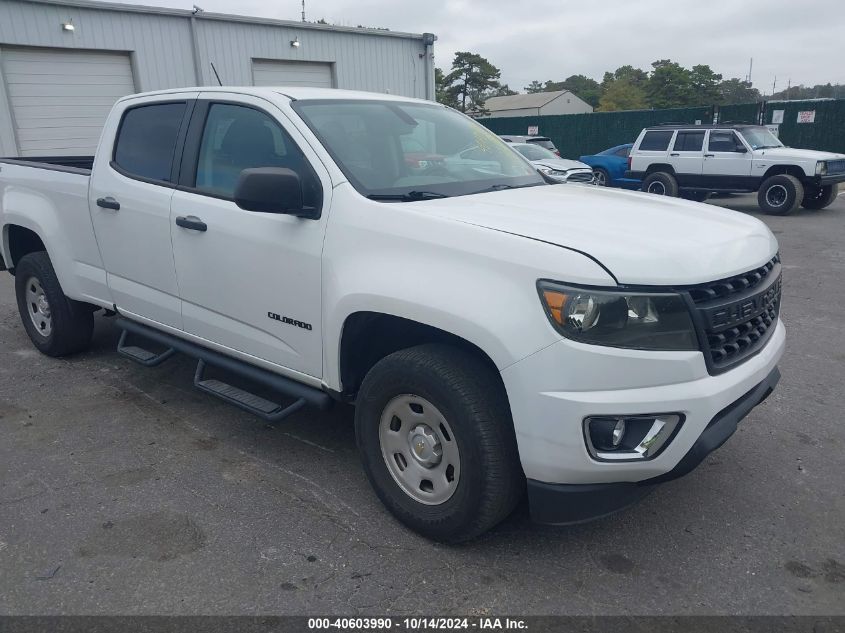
point(602, 177)
point(780, 194)
point(56, 325)
point(434, 430)
point(819, 197)
point(661, 183)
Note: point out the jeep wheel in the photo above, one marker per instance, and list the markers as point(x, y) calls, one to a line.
point(780, 194)
point(434, 430)
point(56, 325)
point(819, 197)
point(661, 183)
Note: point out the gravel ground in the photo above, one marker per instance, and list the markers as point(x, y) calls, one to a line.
point(124, 491)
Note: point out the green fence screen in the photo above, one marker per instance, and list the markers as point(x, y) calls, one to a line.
point(580, 134)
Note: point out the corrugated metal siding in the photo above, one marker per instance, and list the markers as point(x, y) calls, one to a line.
point(60, 98)
point(290, 73)
point(161, 47)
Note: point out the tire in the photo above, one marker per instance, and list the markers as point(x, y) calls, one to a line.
point(439, 383)
point(56, 325)
point(695, 196)
point(602, 177)
point(780, 194)
point(816, 198)
point(661, 183)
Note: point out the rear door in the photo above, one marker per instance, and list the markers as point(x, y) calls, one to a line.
point(250, 282)
point(132, 182)
point(727, 161)
point(687, 157)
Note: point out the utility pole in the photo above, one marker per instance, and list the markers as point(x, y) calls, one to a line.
point(774, 83)
point(788, 87)
point(750, 67)
point(303, 10)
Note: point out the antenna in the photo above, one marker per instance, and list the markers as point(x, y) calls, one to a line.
point(303, 10)
point(219, 83)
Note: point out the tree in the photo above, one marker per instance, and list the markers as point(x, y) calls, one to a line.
point(534, 86)
point(471, 78)
point(622, 94)
point(705, 85)
point(441, 90)
point(583, 87)
point(733, 91)
point(634, 76)
point(670, 85)
point(500, 91)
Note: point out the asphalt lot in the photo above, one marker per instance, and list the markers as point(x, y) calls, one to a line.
point(124, 491)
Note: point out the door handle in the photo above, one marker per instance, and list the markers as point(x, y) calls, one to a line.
point(108, 203)
point(192, 223)
point(710, 156)
point(676, 154)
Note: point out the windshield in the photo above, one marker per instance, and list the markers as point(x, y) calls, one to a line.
point(413, 151)
point(535, 152)
point(760, 138)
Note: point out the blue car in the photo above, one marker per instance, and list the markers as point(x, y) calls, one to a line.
point(609, 167)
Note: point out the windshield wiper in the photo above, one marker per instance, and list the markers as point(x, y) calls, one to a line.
point(409, 196)
point(502, 187)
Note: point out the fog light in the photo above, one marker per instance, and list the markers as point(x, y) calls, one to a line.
point(630, 437)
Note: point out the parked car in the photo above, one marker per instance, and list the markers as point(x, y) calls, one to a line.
point(694, 160)
point(556, 168)
point(495, 333)
point(610, 166)
point(542, 141)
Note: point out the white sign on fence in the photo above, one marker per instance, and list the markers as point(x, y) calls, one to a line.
point(533, 130)
point(777, 117)
point(807, 116)
point(774, 129)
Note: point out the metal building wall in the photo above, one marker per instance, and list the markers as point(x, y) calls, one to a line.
point(170, 48)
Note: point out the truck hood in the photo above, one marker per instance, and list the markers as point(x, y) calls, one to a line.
point(781, 153)
point(639, 238)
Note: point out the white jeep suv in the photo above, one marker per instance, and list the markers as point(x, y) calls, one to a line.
point(694, 160)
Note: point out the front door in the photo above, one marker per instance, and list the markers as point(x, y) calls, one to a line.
point(132, 184)
point(727, 161)
point(249, 281)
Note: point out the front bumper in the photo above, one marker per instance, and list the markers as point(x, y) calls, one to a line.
point(831, 179)
point(561, 504)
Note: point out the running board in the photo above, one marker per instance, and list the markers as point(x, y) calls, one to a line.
point(245, 400)
point(140, 355)
point(302, 394)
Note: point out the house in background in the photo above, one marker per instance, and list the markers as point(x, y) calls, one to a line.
point(63, 63)
point(536, 104)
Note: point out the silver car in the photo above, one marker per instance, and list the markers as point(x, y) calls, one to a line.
point(556, 168)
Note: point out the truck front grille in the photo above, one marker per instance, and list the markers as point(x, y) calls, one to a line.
point(835, 167)
point(737, 315)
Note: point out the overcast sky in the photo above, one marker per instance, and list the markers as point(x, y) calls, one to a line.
point(801, 40)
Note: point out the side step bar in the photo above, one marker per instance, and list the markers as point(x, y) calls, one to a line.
point(265, 409)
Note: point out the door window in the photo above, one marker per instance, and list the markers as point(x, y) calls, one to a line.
point(239, 137)
point(723, 141)
point(656, 141)
point(689, 141)
point(146, 140)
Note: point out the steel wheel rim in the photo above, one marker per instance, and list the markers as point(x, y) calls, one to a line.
point(38, 307)
point(600, 179)
point(419, 449)
point(657, 188)
point(776, 195)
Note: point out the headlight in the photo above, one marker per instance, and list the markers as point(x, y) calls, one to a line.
point(551, 172)
point(652, 321)
point(821, 168)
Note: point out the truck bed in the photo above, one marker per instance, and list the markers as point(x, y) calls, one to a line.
point(71, 164)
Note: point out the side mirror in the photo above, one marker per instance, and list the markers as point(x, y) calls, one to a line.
point(272, 190)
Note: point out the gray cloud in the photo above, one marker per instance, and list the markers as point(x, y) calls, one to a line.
point(552, 39)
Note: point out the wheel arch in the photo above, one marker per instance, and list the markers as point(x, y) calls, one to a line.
point(788, 170)
point(660, 167)
point(19, 241)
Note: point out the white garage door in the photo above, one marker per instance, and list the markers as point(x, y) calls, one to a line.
point(60, 98)
point(287, 73)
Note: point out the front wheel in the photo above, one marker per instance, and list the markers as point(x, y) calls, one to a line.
point(780, 194)
point(661, 183)
point(56, 325)
point(434, 430)
point(816, 198)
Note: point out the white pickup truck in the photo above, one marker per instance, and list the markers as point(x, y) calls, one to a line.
point(496, 333)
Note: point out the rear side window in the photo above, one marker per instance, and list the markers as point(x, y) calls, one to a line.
point(146, 140)
point(689, 141)
point(656, 141)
